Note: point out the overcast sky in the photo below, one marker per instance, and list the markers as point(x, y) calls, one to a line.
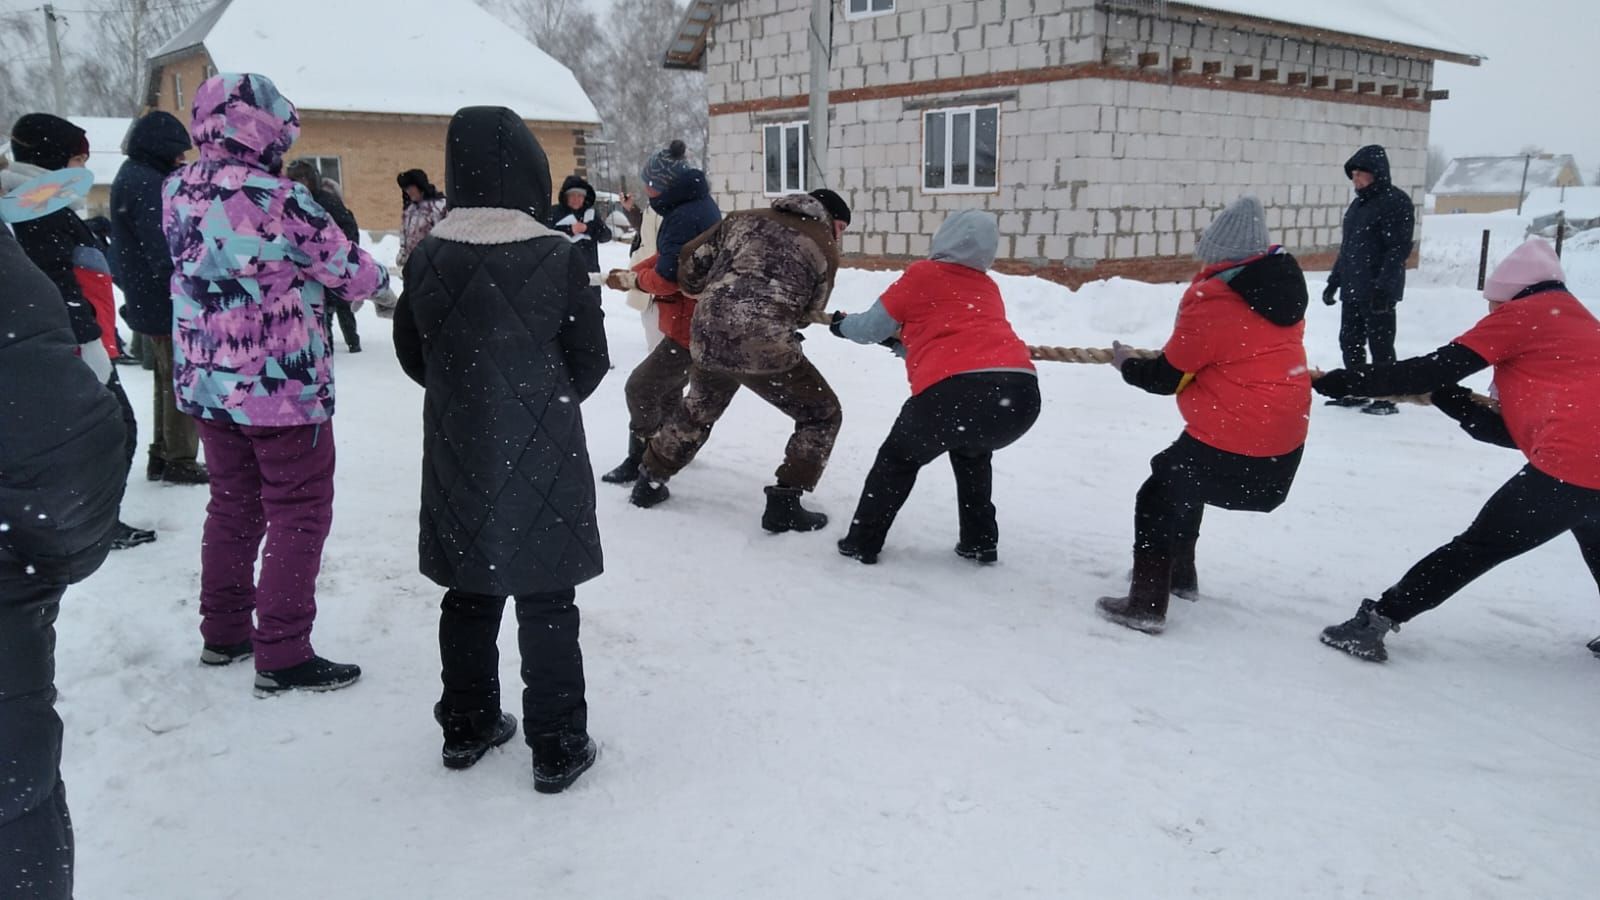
point(1539, 84)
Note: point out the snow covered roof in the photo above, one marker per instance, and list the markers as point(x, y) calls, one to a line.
point(1576, 202)
point(1391, 21)
point(406, 57)
point(1500, 174)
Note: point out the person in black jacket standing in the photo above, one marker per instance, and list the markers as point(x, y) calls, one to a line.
point(328, 198)
point(508, 497)
point(577, 219)
point(1370, 274)
point(61, 479)
point(143, 266)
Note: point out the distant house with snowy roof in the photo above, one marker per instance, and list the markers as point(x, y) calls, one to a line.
point(1483, 184)
point(1104, 133)
point(376, 82)
point(105, 136)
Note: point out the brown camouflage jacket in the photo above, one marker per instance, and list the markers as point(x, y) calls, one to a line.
point(759, 275)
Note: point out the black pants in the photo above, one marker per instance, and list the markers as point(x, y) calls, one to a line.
point(35, 830)
point(346, 315)
point(968, 416)
point(1190, 475)
point(1361, 326)
point(1529, 510)
point(552, 662)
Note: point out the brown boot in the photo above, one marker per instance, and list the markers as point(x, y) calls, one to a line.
point(1145, 607)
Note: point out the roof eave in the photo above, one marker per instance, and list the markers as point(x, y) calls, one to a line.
point(1345, 38)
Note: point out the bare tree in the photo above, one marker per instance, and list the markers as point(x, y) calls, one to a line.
point(565, 29)
point(21, 66)
point(644, 106)
point(109, 79)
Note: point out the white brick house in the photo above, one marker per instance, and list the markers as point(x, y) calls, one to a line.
point(1105, 133)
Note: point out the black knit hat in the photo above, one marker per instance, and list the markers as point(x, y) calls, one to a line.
point(834, 204)
point(46, 141)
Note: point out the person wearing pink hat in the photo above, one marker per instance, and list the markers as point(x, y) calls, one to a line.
point(1544, 346)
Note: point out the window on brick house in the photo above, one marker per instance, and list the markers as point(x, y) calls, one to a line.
point(177, 91)
point(856, 9)
point(961, 149)
point(785, 150)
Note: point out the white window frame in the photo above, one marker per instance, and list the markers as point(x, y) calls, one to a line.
point(850, 11)
point(783, 156)
point(323, 165)
point(177, 92)
point(971, 187)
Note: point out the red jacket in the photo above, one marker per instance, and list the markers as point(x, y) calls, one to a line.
point(1545, 349)
point(676, 311)
point(1240, 335)
point(952, 321)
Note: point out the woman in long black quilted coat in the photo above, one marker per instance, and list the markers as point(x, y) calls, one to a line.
point(498, 324)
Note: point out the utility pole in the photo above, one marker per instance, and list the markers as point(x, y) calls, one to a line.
point(1523, 193)
point(821, 62)
point(58, 76)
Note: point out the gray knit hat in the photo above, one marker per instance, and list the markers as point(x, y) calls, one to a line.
point(1238, 232)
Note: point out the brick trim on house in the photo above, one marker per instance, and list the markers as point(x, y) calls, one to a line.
point(1073, 72)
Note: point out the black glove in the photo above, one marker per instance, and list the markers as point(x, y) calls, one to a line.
point(895, 346)
point(1337, 383)
point(834, 325)
point(799, 335)
point(1330, 294)
point(1453, 400)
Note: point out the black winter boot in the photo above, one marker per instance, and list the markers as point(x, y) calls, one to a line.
point(559, 758)
point(125, 536)
point(1185, 580)
point(466, 742)
point(1380, 408)
point(853, 547)
point(1346, 402)
point(225, 654)
point(784, 512)
point(628, 471)
point(982, 554)
point(648, 491)
point(1594, 646)
point(185, 473)
point(154, 465)
point(315, 674)
point(1145, 607)
point(1362, 635)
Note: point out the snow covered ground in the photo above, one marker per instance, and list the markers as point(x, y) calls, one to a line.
point(780, 722)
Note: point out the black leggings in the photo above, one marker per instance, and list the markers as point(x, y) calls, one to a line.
point(968, 416)
point(1529, 510)
point(1190, 475)
point(552, 661)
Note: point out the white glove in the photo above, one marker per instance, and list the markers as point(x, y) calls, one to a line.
point(94, 356)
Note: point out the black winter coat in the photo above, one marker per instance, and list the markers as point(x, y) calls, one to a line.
point(598, 231)
point(497, 323)
point(339, 213)
point(687, 211)
point(1377, 237)
point(62, 470)
point(139, 254)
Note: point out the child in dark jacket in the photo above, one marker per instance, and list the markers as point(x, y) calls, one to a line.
point(973, 388)
point(1237, 363)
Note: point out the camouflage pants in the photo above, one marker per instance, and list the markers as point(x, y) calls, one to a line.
point(801, 393)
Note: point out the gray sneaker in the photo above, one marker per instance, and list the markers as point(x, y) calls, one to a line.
point(1362, 635)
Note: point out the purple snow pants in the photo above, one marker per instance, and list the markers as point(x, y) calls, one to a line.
point(275, 483)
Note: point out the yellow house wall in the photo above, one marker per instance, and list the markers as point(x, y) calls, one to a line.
point(372, 148)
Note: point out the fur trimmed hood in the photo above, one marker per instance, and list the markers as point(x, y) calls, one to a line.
point(490, 225)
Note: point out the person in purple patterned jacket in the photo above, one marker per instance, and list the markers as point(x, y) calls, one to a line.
point(255, 261)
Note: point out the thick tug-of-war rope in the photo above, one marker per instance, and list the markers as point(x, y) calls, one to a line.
point(1103, 356)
